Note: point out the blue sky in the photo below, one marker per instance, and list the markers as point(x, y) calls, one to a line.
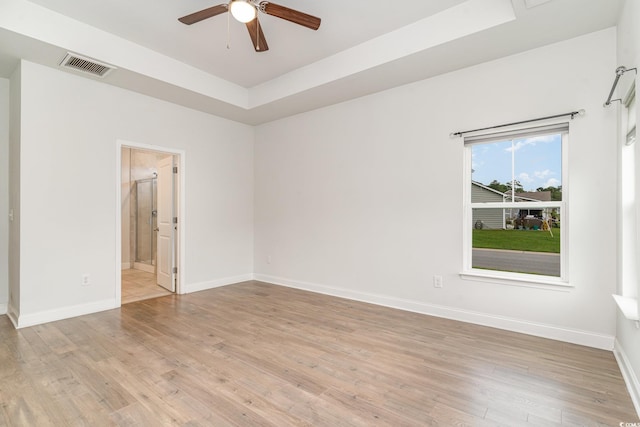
point(538, 161)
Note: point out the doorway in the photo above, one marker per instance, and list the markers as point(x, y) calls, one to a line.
point(149, 201)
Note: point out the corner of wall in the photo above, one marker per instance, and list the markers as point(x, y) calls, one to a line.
point(4, 194)
point(13, 315)
point(211, 284)
point(628, 373)
point(13, 257)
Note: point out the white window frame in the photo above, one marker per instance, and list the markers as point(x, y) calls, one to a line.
point(506, 277)
point(628, 301)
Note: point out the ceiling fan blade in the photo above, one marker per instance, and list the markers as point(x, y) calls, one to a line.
point(204, 14)
point(290, 15)
point(257, 36)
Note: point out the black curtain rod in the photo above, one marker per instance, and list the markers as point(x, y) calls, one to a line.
point(572, 114)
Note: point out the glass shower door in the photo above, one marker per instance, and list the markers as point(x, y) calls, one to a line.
point(146, 211)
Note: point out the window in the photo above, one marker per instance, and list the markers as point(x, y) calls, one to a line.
point(628, 200)
point(515, 207)
point(628, 235)
point(628, 302)
point(631, 117)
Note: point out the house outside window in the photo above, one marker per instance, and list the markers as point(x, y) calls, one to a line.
point(515, 205)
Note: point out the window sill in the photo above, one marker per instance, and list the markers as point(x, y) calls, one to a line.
point(628, 306)
point(517, 279)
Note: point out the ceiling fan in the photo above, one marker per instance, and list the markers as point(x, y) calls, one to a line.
point(246, 11)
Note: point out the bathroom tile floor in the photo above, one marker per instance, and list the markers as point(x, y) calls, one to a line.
point(139, 285)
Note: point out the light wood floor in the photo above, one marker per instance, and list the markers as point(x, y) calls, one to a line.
point(139, 285)
point(254, 354)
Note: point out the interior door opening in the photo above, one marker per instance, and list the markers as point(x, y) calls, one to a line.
point(149, 223)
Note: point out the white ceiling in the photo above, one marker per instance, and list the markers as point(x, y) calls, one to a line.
point(360, 48)
point(154, 24)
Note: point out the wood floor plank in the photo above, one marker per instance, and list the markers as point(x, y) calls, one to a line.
point(138, 285)
point(264, 355)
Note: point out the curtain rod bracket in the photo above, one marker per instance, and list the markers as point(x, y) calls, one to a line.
point(619, 72)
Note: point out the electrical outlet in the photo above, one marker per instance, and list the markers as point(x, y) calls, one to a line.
point(437, 281)
point(86, 280)
point(269, 259)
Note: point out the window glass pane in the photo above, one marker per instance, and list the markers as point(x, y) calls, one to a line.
point(532, 166)
point(528, 243)
point(491, 167)
point(631, 119)
point(631, 114)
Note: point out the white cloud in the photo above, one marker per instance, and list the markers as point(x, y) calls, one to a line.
point(543, 138)
point(543, 174)
point(524, 177)
point(520, 143)
point(552, 182)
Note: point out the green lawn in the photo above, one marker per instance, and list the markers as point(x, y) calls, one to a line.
point(518, 240)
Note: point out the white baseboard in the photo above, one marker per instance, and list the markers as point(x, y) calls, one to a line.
point(202, 286)
point(574, 336)
point(3, 308)
point(25, 320)
point(12, 315)
point(125, 266)
point(630, 377)
point(144, 267)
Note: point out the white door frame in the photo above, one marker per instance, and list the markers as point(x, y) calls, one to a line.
point(180, 195)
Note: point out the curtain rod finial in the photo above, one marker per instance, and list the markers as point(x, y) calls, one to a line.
point(580, 113)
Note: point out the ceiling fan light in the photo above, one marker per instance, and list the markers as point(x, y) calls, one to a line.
point(242, 10)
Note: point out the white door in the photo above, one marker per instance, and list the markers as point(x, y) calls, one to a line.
point(166, 227)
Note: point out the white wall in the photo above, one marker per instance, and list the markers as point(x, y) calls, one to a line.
point(363, 199)
point(627, 335)
point(70, 126)
point(15, 94)
point(4, 195)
